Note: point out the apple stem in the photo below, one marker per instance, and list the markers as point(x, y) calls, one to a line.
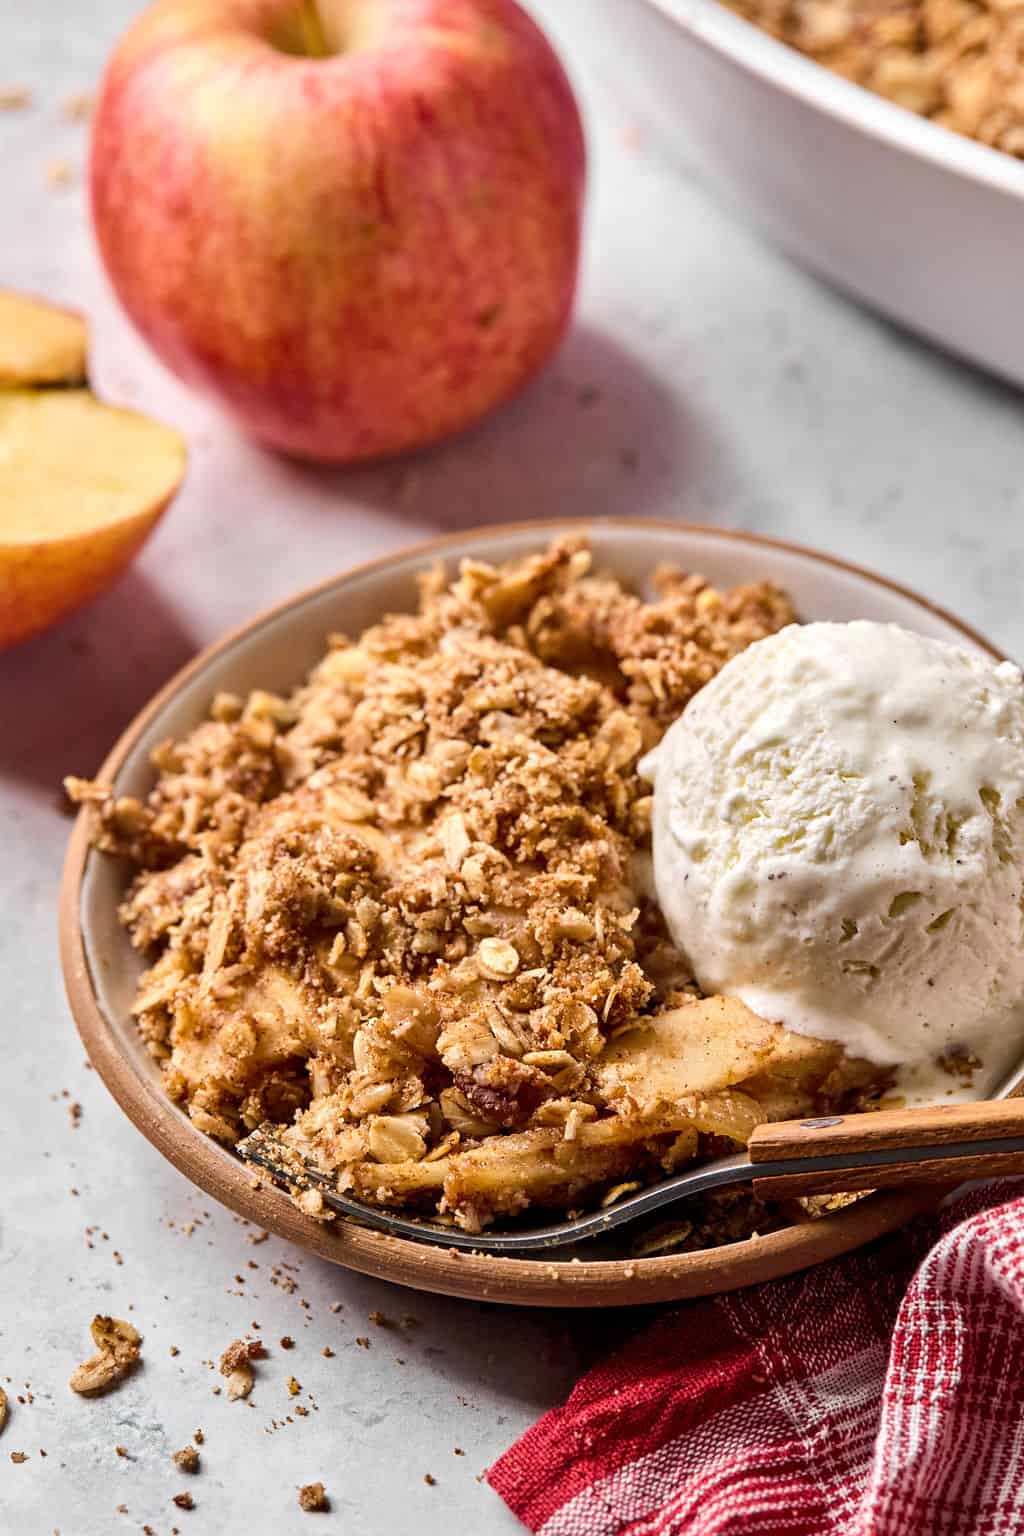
point(313, 38)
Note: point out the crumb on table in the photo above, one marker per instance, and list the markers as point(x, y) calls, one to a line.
point(313, 1498)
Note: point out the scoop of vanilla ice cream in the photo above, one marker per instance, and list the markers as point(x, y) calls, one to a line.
point(839, 842)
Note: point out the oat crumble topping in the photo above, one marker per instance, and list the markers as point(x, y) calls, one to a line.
point(405, 914)
point(957, 62)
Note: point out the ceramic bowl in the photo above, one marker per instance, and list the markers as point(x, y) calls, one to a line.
point(921, 223)
point(274, 651)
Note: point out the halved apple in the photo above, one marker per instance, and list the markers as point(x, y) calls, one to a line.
point(40, 343)
point(81, 485)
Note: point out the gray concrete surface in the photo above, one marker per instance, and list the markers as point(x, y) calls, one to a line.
point(705, 379)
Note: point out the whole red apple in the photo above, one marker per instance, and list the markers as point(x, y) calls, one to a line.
point(355, 222)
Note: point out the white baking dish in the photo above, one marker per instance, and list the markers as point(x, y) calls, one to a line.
point(924, 225)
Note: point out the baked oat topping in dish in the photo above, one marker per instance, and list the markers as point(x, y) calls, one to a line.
point(313, 1498)
point(957, 62)
point(406, 913)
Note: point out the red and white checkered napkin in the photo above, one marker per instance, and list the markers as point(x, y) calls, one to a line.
point(858, 1399)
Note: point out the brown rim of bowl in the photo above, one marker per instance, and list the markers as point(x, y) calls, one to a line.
point(524, 1282)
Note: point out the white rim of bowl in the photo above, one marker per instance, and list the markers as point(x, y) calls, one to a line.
point(779, 65)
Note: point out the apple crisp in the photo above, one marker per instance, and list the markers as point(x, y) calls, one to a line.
point(405, 915)
point(954, 61)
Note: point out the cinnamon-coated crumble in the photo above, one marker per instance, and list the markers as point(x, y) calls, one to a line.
point(405, 913)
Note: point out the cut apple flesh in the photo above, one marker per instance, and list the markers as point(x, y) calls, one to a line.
point(40, 343)
point(70, 465)
point(81, 485)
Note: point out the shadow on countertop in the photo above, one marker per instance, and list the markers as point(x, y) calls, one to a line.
point(595, 434)
point(66, 695)
point(479, 1350)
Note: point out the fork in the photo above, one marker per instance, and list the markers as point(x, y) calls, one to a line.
point(946, 1144)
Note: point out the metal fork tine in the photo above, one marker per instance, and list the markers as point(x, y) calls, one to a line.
point(264, 1149)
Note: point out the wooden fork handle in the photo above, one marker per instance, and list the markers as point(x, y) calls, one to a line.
point(848, 1135)
point(828, 1135)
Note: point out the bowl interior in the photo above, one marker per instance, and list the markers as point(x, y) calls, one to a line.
point(276, 650)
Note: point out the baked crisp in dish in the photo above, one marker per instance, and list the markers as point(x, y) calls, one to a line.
point(957, 62)
point(405, 914)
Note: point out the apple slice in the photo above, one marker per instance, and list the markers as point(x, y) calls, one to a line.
point(81, 486)
point(40, 343)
